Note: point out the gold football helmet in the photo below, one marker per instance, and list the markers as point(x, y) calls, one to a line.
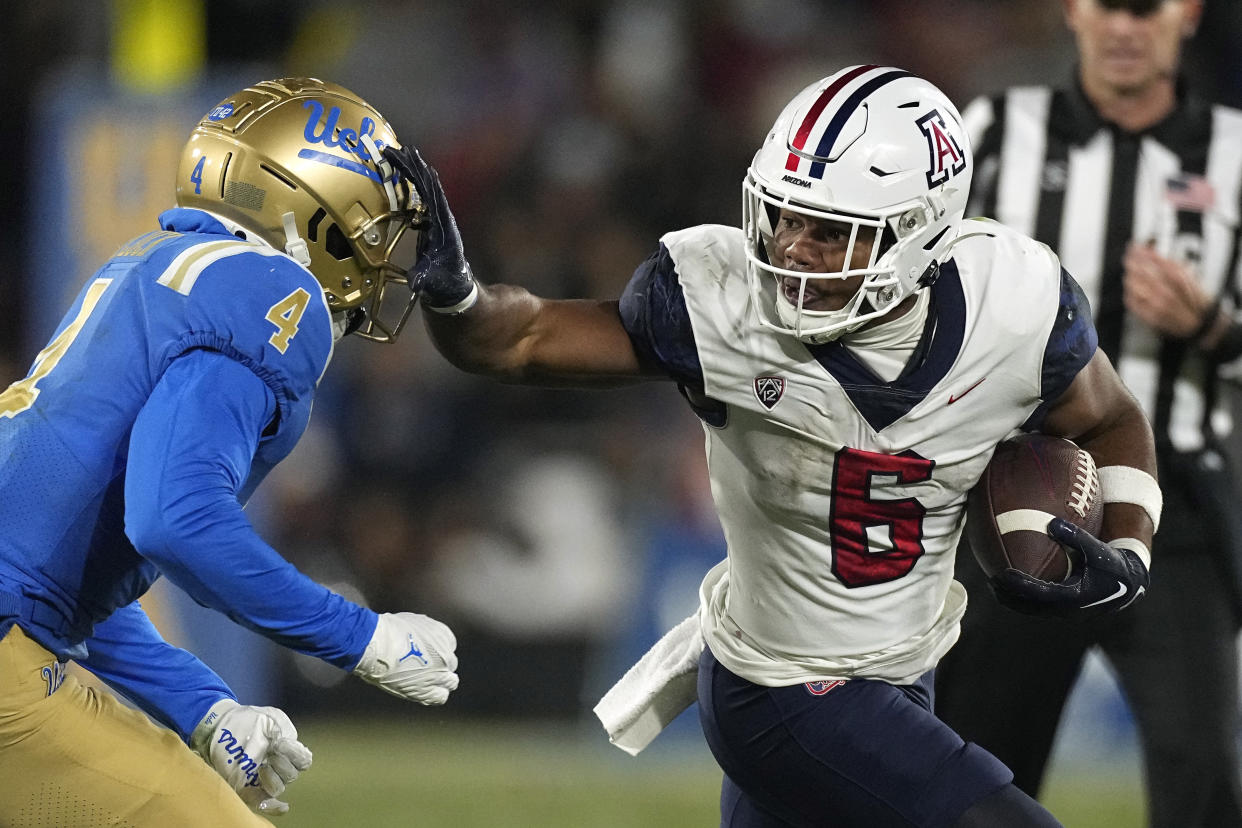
point(297, 163)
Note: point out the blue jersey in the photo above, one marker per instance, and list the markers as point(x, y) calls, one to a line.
point(182, 373)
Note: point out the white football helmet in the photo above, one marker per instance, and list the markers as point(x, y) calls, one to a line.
point(296, 163)
point(875, 148)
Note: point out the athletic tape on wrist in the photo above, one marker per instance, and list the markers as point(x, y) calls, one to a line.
point(462, 306)
point(1126, 484)
point(1136, 546)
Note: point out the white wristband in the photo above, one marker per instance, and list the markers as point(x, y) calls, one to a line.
point(1136, 546)
point(462, 306)
point(1126, 484)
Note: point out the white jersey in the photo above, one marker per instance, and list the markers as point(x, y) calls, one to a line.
point(842, 496)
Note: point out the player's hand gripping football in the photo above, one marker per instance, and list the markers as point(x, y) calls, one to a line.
point(255, 749)
point(441, 276)
point(1104, 578)
point(411, 656)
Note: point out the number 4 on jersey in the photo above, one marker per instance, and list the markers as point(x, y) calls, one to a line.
point(21, 395)
point(286, 315)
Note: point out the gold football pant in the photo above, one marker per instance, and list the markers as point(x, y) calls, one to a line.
point(75, 757)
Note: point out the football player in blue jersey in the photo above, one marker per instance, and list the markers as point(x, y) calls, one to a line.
point(183, 372)
point(856, 351)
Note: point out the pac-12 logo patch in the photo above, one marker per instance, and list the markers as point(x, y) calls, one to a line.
point(946, 158)
point(819, 688)
point(220, 112)
point(769, 390)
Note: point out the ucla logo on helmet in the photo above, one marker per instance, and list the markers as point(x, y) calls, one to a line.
point(321, 129)
point(945, 156)
point(220, 112)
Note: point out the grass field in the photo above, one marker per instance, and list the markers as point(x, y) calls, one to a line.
point(460, 775)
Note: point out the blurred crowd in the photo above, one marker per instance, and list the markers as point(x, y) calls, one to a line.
point(558, 532)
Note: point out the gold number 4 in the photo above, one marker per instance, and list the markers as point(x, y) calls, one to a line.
point(21, 395)
point(286, 315)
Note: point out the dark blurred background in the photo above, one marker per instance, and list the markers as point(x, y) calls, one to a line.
point(557, 532)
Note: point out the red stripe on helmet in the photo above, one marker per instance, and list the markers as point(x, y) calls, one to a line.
point(808, 123)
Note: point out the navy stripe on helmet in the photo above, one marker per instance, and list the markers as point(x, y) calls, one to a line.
point(843, 114)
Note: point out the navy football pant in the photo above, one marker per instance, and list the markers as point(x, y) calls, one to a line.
point(864, 753)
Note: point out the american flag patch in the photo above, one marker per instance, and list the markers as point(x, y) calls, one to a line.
point(1192, 193)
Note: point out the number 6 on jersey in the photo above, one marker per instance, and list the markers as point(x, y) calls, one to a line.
point(855, 512)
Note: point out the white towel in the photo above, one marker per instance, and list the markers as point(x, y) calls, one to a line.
point(654, 690)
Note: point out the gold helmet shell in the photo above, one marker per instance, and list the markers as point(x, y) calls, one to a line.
point(296, 162)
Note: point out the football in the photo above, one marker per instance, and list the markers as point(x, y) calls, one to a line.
point(1030, 480)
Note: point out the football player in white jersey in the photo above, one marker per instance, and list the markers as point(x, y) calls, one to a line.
point(856, 351)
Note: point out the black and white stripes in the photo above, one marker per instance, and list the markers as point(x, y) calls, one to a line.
point(1051, 168)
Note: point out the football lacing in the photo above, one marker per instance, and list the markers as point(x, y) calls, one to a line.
point(1086, 485)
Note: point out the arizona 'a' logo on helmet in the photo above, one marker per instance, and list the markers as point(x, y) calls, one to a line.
point(296, 163)
point(945, 156)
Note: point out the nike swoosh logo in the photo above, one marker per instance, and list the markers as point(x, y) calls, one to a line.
point(1137, 595)
point(1121, 590)
point(954, 398)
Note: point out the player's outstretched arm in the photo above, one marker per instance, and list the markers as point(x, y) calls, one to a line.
point(504, 331)
point(1110, 572)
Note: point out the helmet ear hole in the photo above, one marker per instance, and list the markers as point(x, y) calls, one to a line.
point(312, 226)
point(337, 244)
point(887, 239)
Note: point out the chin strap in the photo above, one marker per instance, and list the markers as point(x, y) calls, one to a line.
point(386, 172)
point(295, 245)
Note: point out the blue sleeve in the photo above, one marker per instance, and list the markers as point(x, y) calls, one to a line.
point(1071, 345)
point(189, 456)
point(168, 683)
point(654, 313)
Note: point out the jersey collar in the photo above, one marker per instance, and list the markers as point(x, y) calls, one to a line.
point(883, 403)
point(187, 220)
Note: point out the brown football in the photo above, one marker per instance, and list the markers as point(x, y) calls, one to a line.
point(1030, 480)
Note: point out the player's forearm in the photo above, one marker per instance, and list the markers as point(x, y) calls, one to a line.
point(1124, 442)
point(168, 683)
point(493, 337)
point(202, 541)
point(514, 336)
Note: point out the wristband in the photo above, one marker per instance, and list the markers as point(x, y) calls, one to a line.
point(1136, 546)
point(462, 306)
point(1126, 484)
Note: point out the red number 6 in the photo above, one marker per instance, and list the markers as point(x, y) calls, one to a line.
point(861, 557)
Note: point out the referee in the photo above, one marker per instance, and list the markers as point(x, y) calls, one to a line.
point(1136, 183)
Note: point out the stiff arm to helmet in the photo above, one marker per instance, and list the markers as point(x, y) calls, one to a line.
point(298, 163)
point(879, 150)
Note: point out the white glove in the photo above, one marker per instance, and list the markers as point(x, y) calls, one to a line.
point(411, 656)
point(255, 749)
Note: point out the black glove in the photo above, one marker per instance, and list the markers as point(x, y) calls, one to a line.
point(441, 276)
point(1104, 579)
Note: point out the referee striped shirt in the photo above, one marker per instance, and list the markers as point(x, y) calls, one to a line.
point(1048, 165)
